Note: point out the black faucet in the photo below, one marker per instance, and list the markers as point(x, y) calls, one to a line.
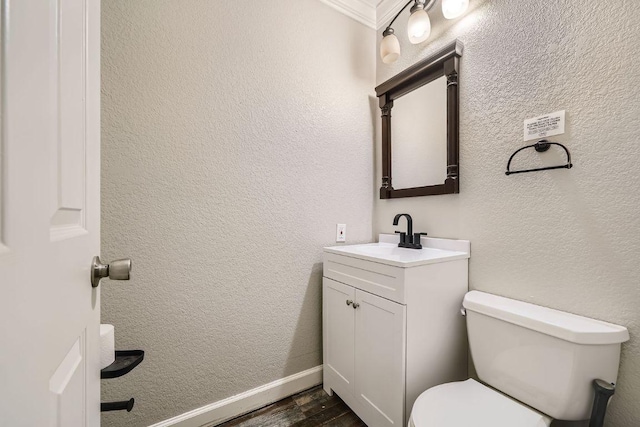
point(409, 239)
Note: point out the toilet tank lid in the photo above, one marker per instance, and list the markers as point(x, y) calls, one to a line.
point(567, 326)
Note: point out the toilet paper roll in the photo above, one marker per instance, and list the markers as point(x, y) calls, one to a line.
point(107, 346)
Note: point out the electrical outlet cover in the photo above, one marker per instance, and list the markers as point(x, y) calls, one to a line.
point(341, 233)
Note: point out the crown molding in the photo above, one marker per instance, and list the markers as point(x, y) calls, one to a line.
point(366, 12)
point(363, 11)
point(386, 10)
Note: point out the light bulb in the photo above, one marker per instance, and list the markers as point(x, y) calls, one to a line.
point(451, 9)
point(419, 26)
point(389, 47)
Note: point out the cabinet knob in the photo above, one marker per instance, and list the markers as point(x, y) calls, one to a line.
point(355, 305)
point(349, 302)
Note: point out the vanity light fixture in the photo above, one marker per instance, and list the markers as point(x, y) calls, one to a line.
point(451, 9)
point(418, 26)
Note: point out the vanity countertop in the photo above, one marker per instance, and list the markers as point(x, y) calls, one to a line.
point(386, 251)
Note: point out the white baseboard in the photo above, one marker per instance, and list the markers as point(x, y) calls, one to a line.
point(226, 409)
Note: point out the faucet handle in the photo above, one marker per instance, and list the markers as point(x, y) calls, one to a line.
point(403, 236)
point(417, 240)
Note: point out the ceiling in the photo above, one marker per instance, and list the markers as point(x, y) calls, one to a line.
point(373, 13)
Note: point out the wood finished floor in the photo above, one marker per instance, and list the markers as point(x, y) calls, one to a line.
point(310, 408)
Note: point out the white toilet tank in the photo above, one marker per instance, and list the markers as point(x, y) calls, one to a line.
point(542, 357)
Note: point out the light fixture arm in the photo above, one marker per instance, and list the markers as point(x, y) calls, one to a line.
point(386, 30)
point(426, 4)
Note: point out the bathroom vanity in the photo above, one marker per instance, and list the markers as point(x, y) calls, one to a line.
point(392, 325)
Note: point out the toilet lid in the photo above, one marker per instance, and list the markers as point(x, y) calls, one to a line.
point(469, 403)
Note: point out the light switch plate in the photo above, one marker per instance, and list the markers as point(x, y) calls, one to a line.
point(341, 233)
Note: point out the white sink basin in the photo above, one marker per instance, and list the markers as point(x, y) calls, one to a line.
point(433, 250)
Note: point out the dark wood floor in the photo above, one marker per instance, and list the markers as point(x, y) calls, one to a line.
point(310, 408)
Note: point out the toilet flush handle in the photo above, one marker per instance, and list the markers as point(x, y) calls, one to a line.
point(463, 311)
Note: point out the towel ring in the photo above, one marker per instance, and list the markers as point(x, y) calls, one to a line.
point(540, 146)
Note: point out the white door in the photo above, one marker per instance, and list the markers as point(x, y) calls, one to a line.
point(380, 359)
point(49, 213)
point(338, 323)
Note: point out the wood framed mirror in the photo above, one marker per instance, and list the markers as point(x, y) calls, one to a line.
point(423, 153)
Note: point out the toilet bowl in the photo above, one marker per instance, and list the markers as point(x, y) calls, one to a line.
point(537, 364)
point(469, 403)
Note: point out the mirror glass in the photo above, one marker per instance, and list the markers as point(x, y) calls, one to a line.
point(419, 136)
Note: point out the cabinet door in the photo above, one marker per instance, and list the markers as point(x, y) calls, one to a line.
point(380, 359)
point(338, 322)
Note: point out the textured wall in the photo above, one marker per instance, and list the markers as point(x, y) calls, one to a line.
point(564, 239)
point(235, 136)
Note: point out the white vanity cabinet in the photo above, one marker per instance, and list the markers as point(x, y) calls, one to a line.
point(391, 324)
point(371, 331)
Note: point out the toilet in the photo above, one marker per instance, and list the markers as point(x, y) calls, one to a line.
point(535, 364)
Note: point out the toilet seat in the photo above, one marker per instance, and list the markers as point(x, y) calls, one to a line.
point(469, 403)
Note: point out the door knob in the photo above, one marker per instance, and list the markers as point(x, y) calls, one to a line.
point(117, 270)
point(349, 302)
point(355, 305)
